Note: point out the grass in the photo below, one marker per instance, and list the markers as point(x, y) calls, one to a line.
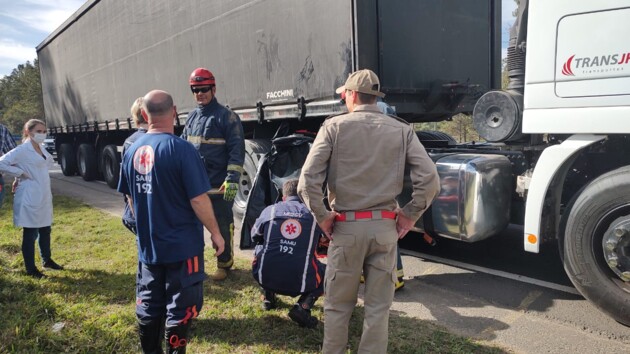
point(89, 307)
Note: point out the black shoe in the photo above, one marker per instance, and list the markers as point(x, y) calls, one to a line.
point(302, 317)
point(52, 265)
point(36, 274)
point(269, 300)
point(268, 304)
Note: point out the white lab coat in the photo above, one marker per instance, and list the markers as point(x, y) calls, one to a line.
point(32, 204)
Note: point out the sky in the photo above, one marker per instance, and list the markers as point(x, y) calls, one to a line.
point(24, 24)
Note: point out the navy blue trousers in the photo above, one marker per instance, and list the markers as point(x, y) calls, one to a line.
point(173, 291)
point(29, 235)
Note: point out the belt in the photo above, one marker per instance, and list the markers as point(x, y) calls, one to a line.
point(368, 214)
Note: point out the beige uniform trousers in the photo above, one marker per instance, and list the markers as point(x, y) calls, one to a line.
point(368, 246)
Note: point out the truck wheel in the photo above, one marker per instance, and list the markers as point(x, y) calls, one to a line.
point(597, 243)
point(254, 150)
point(87, 162)
point(67, 160)
point(110, 165)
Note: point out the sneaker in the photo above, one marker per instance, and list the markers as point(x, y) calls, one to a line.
point(35, 274)
point(269, 301)
point(219, 274)
point(52, 265)
point(302, 317)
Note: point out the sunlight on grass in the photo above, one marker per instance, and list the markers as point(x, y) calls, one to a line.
point(89, 307)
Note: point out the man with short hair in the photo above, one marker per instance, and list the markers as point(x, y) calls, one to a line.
point(6, 144)
point(216, 132)
point(165, 183)
point(287, 235)
point(361, 156)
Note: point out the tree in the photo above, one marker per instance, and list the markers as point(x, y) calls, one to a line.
point(21, 96)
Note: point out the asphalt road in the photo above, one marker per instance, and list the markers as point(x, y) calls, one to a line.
point(492, 291)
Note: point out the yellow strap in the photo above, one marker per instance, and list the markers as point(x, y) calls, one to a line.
point(236, 168)
point(202, 140)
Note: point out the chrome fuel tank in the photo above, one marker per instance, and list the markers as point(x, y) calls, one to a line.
point(474, 202)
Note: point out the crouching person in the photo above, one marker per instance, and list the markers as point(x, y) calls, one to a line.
point(287, 235)
point(165, 183)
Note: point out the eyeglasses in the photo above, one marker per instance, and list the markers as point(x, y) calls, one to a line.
point(200, 89)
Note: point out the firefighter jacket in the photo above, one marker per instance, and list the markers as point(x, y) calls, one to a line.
point(287, 237)
point(217, 133)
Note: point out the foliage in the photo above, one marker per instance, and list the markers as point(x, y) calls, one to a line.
point(89, 306)
point(21, 96)
point(460, 127)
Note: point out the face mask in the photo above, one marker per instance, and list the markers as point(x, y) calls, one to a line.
point(39, 138)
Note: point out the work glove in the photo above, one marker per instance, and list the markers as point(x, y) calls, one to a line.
point(229, 190)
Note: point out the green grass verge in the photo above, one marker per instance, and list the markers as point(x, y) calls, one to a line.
point(89, 307)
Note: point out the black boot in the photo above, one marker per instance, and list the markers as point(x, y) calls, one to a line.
point(301, 312)
point(151, 334)
point(306, 301)
point(269, 300)
point(177, 338)
point(302, 317)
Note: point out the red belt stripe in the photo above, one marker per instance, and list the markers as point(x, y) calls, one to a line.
point(366, 215)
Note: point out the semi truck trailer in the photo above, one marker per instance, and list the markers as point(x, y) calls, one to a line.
point(555, 153)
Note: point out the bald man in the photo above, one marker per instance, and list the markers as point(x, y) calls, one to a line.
point(165, 182)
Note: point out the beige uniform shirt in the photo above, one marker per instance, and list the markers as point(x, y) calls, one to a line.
point(364, 154)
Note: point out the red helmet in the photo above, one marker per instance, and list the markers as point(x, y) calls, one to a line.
point(201, 76)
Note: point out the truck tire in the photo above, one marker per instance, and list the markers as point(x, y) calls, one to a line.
point(67, 160)
point(601, 208)
point(254, 150)
point(87, 162)
point(110, 165)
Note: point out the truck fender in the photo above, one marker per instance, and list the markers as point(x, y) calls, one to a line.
point(553, 161)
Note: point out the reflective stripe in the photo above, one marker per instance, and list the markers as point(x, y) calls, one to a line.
point(196, 261)
point(194, 311)
point(308, 254)
point(202, 140)
point(236, 168)
point(262, 258)
point(188, 316)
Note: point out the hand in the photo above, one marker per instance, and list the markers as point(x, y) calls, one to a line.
point(327, 223)
point(218, 243)
point(229, 190)
point(403, 224)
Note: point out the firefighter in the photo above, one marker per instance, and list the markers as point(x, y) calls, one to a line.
point(216, 132)
point(287, 236)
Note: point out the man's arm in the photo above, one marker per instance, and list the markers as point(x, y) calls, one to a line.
point(189, 120)
point(130, 203)
point(203, 209)
point(235, 141)
point(312, 177)
point(9, 143)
